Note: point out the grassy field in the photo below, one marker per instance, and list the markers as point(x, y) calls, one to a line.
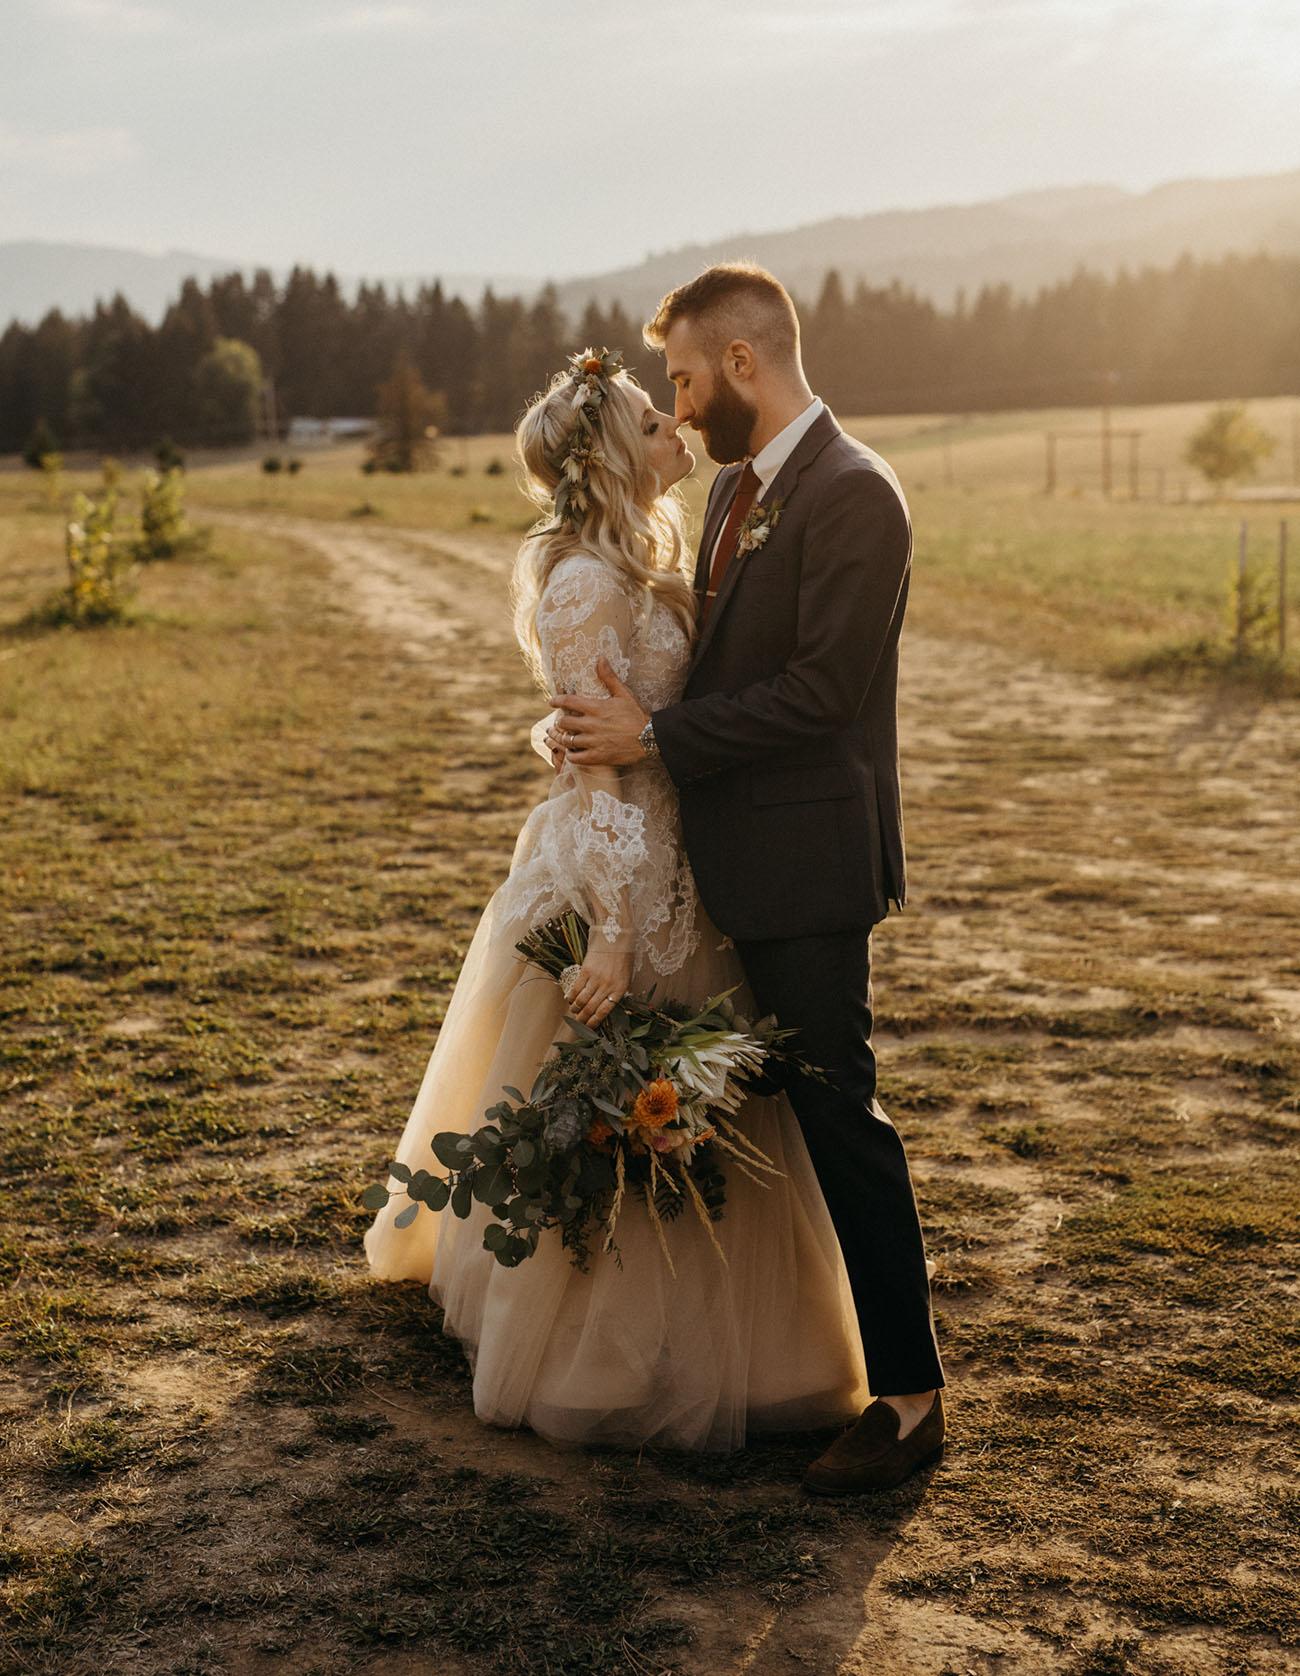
point(243, 843)
point(1117, 586)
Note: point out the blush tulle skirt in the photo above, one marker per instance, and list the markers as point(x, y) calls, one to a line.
point(632, 1354)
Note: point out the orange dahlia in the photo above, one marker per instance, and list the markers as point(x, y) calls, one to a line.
point(656, 1104)
point(592, 364)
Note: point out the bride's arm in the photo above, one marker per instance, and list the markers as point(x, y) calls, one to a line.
point(584, 614)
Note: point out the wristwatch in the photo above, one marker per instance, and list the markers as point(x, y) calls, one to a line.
point(647, 741)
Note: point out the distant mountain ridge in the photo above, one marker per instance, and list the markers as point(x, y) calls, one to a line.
point(37, 275)
point(1026, 240)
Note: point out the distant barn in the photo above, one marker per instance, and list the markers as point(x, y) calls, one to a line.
point(320, 433)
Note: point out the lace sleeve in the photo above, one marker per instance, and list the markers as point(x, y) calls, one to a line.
point(585, 614)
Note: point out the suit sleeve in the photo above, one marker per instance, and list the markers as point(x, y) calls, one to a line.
point(856, 557)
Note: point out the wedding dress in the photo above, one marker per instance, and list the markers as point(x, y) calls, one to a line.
point(624, 1354)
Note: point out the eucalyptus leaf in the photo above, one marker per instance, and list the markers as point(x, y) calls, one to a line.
point(404, 1218)
point(399, 1172)
point(491, 1183)
point(436, 1193)
point(375, 1198)
point(451, 1148)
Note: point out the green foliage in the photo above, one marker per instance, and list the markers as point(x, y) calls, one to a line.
point(168, 455)
point(101, 566)
point(164, 529)
point(272, 464)
point(227, 387)
point(52, 468)
point(1252, 612)
point(1229, 445)
point(40, 443)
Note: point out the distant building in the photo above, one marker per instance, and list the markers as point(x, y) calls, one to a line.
point(320, 433)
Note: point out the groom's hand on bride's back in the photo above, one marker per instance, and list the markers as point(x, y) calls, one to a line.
point(598, 732)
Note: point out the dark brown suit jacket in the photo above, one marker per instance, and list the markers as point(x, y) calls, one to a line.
point(784, 745)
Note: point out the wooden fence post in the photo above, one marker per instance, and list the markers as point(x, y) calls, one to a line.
point(1281, 590)
point(1241, 589)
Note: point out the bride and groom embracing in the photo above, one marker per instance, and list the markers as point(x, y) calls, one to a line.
point(725, 812)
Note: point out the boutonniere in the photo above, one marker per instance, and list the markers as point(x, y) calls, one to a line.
point(759, 523)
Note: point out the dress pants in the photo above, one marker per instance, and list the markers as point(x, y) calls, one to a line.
point(821, 988)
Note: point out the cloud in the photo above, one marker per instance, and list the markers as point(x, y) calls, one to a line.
point(382, 19)
point(126, 17)
point(68, 151)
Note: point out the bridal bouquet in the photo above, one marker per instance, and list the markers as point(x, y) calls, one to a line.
point(640, 1107)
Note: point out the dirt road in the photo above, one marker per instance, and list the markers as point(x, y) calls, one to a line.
point(1087, 1024)
point(1076, 1018)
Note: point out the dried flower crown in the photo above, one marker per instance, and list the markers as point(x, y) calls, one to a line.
point(589, 372)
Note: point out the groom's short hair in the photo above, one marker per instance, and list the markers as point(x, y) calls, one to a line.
point(728, 301)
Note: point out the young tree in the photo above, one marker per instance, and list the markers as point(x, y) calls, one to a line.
point(1228, 445)
point(227, 385)
point(410, 417)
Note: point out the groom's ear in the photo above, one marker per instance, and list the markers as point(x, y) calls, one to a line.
point(739, 361)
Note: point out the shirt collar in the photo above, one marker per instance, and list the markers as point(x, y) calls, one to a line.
point(768, 461)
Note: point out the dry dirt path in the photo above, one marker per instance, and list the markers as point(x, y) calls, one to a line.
point(1087, 1021)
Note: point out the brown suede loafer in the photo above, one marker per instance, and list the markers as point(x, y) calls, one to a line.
point(872, 1456)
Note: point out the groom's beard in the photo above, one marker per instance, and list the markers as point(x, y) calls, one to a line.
point(726, 425)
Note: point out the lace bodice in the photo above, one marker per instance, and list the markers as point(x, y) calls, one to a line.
point(607, 841)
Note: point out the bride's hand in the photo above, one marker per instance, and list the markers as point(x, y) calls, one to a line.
point(602, 981)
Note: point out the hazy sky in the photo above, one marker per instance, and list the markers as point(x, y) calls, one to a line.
point(511, 136)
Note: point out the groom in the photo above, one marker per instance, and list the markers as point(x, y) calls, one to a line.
point(784, 752)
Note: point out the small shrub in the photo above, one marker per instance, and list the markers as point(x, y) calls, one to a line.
point(101, 566)
point(52, 467)
point(1228, 445)
point(479, 515)
point(364, 509)
point(1252, 613)
point(456, 471)
point(493, 468)
point(169, 456)
point(369, 465)
point(164, 529)
point(272, 463)
point(41, 442)
point(293, 467)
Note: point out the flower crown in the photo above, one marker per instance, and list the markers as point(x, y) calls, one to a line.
point(590, 372)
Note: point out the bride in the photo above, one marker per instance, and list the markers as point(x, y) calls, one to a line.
point(628, 1352)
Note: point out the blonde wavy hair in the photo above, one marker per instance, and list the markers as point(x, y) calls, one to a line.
point(638, 529)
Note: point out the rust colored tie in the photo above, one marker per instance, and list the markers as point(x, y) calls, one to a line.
point(746, 493)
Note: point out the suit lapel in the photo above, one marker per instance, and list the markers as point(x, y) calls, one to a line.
point(783, 485)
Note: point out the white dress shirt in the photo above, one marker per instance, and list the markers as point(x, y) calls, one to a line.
point(769, 460)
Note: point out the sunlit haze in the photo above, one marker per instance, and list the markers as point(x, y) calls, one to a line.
point(520, 139)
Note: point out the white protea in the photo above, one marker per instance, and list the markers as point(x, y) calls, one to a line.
point(707, 1068)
